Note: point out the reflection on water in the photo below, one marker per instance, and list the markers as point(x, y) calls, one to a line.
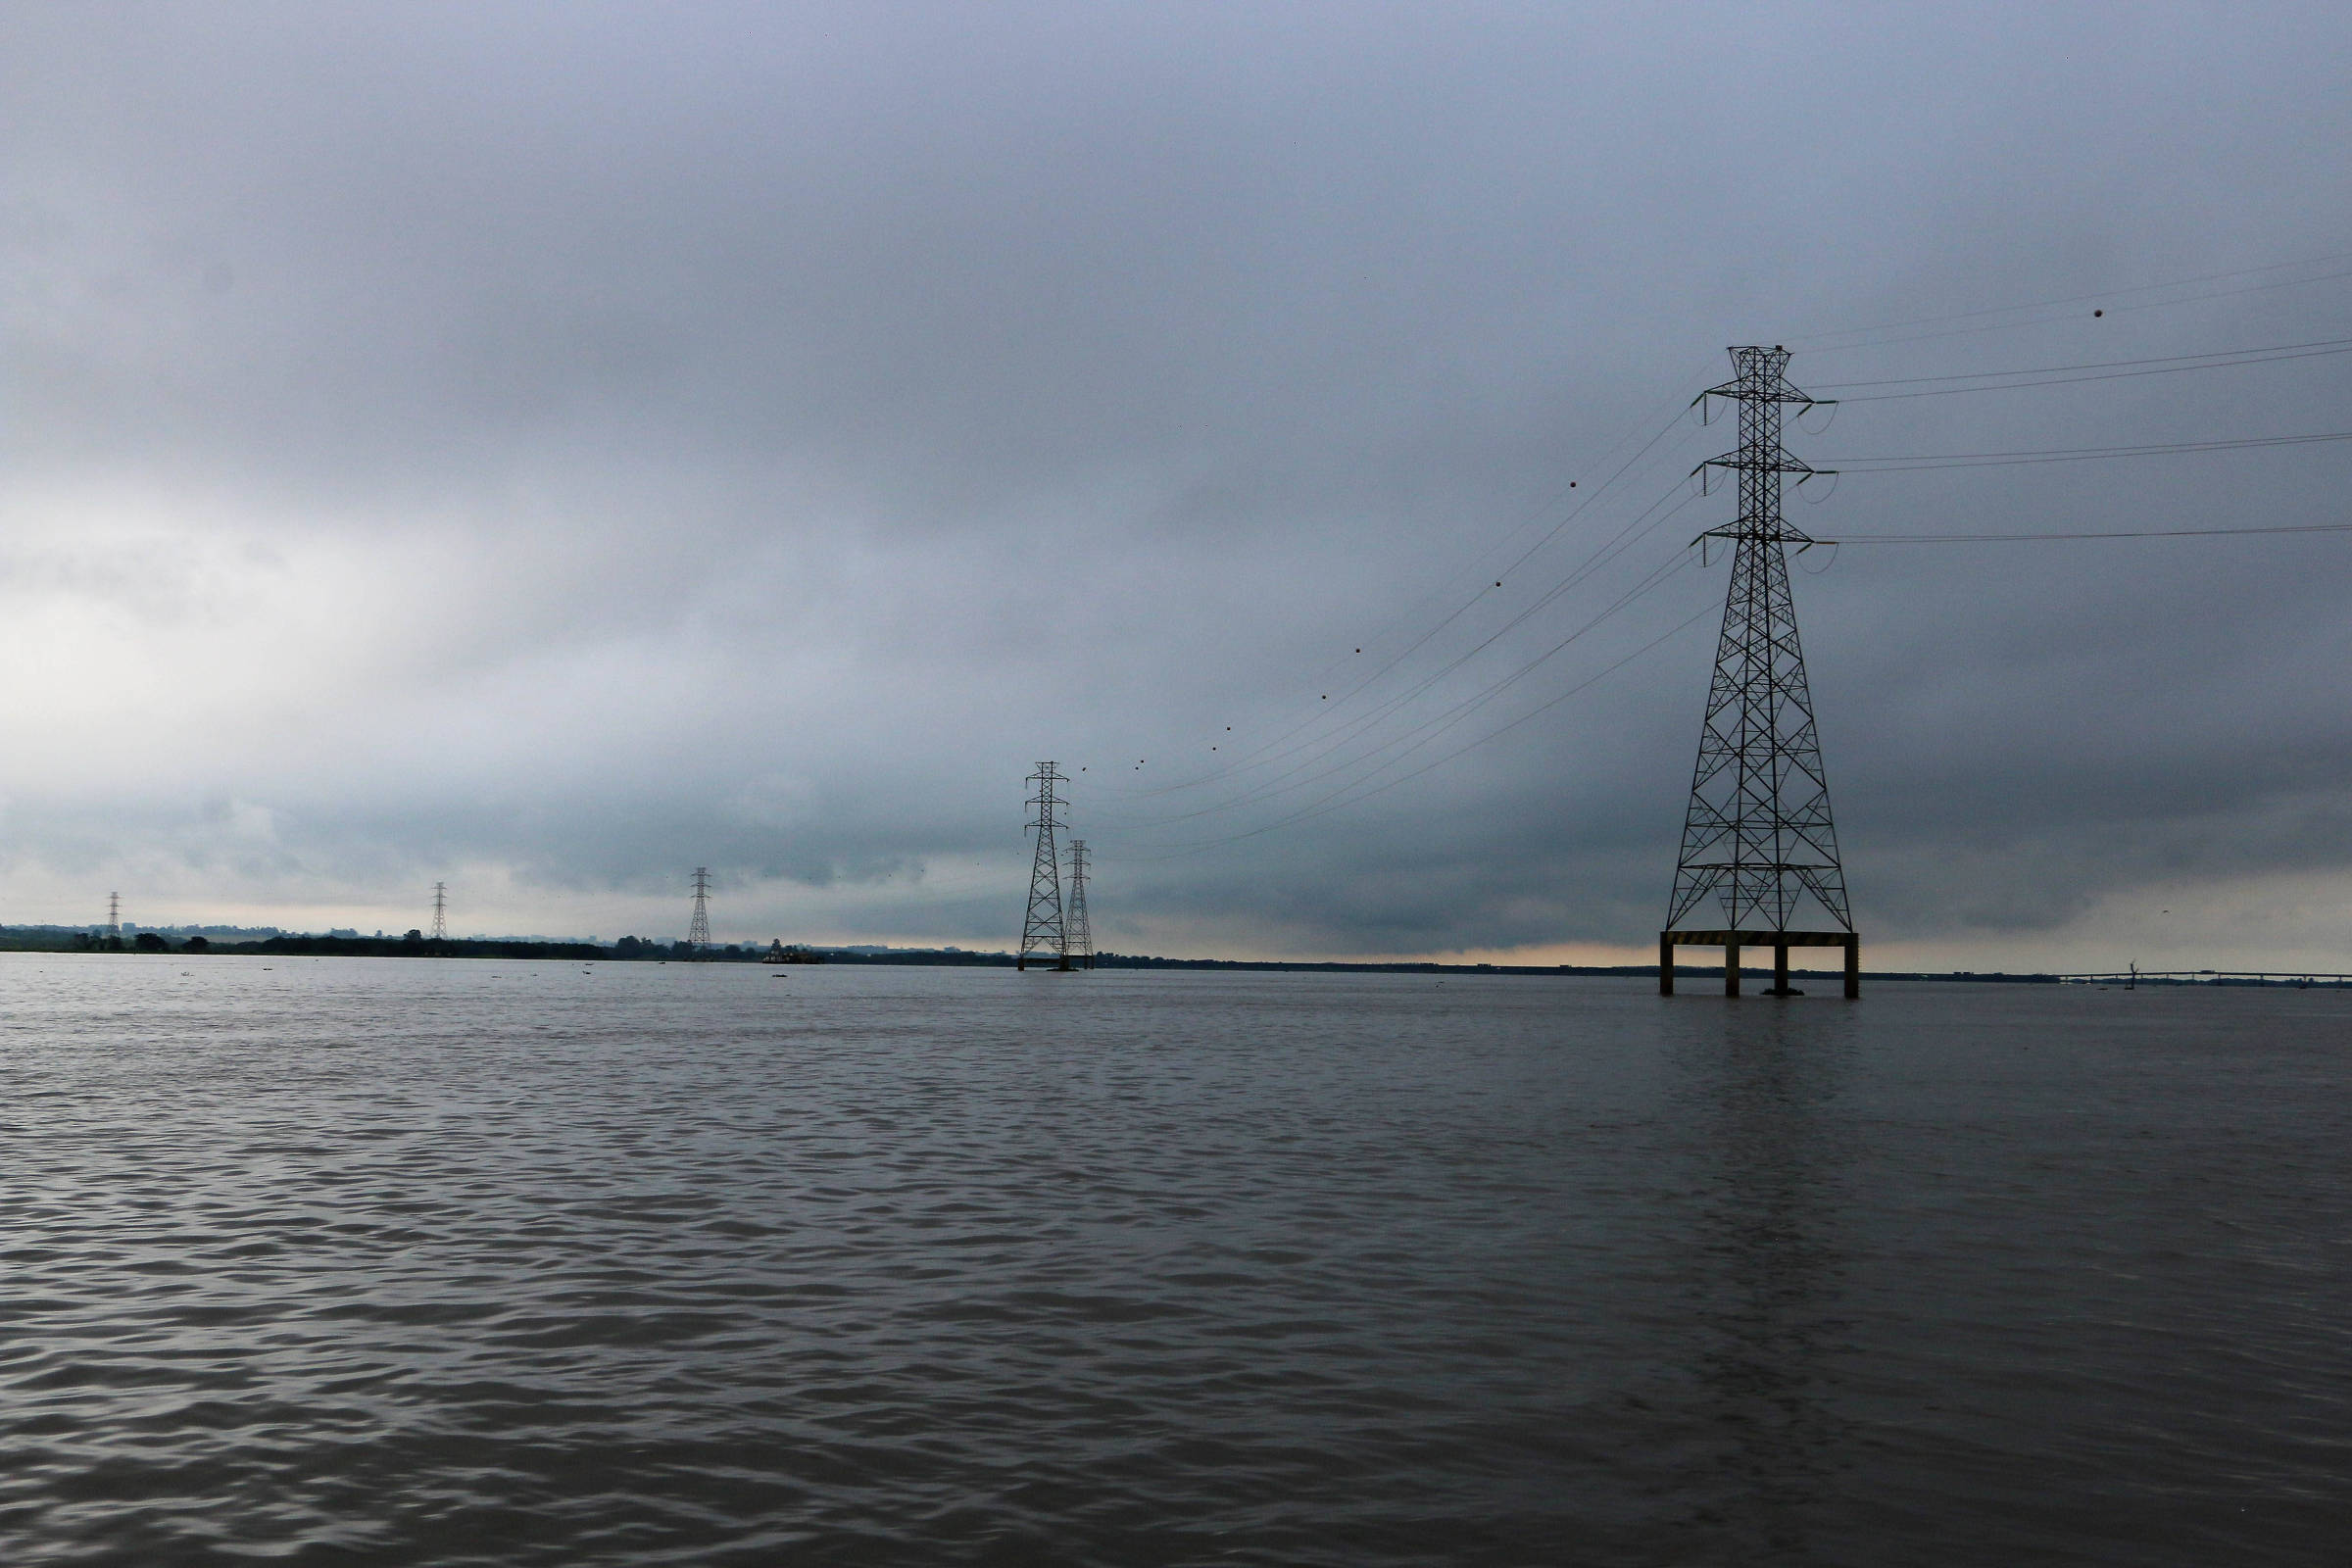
point(1771, 1252)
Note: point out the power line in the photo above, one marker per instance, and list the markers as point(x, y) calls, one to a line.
point(1320, 807)
point(2059, 374)
point(1328, 734)
point(1760, 387)
point(1614, 548)
point(1339, 732)
point(1276, 747)
point(1317, 808)
point(1431, 728)
point(1343, 729)
point(1277, 785)
point(2095, 364)
point(1916, 462)
point(1670, 408)
point(2055, 374)
point(1350, 730)
point(2104, 533)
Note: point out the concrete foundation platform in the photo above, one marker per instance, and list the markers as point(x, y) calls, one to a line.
point(1731, 942)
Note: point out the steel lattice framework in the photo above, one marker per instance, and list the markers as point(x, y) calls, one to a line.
point(1042, 929)
point(1080, 944)
point(697, 929)
point(1758, 833)
point(440, 911)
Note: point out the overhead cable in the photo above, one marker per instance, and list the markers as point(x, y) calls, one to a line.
point(1336, 728)
point(1429, 728)
point(2100, 533)
point(1356, 728)
point(1334, 802)
point(2110, 371)
point(1916, 462)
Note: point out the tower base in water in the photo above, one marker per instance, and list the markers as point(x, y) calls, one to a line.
point(1780, 942)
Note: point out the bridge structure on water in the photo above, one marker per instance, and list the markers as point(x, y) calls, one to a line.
point(2134, 975)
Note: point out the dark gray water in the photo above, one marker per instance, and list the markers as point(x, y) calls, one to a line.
point(353, 1261)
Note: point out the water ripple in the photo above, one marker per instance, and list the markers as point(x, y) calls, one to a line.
point(362, 1263)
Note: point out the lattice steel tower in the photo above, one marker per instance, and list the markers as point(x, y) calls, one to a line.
point(1080, 945)
point(440, 911)
point(113, 918)
point(697, 929)
point(1042, 928)
point(1758, 836)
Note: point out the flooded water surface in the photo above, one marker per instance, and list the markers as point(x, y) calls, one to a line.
point(422, 1262)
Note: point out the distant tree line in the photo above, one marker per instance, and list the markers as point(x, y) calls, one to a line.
point(414, 943)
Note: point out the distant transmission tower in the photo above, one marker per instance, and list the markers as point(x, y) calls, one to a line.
point(440, 912)
point(1079, 946)
point(113, 916)
point(1757, 835)
point(1042, 929)
point(697, 929)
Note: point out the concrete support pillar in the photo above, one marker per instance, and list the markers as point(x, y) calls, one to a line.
point(1779, 967)
point(1853, 965)
point(1731, 968)
point(1665, 964)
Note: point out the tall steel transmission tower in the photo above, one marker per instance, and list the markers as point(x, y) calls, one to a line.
point(440, 911)
point(1758, 836)
point(113, 918)
point(1042, 928)
point(1079, 944)
point(697, 929)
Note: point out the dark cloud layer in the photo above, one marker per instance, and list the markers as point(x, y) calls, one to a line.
point(555, 446)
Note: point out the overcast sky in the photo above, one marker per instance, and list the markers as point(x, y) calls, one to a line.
point(548, 448)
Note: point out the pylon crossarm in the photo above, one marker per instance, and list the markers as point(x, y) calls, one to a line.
point(1740, 390)
point(1781, 462)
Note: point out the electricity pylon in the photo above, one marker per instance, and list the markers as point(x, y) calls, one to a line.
point(1042, 928)
point(697, 929)
point(1757, 835)
point(1079, 946)
point(113, 916)
point(440, 911)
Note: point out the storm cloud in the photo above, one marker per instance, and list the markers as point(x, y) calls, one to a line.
point(548, 448)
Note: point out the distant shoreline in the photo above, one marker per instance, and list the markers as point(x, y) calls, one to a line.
point(45, 939)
